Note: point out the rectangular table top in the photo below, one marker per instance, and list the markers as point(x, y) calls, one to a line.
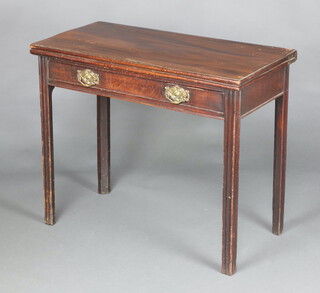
point(222, 61)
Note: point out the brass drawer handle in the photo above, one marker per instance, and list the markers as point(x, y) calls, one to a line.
point(176, 94)
point(87, 77)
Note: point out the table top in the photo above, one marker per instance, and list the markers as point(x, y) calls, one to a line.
point(209, 59)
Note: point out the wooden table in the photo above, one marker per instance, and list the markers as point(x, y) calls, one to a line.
point(209, 77)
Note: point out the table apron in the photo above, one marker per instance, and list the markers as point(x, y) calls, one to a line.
point(263, 90)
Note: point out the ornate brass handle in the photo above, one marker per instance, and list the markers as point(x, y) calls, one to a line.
point(176, 94)
point(87, 77)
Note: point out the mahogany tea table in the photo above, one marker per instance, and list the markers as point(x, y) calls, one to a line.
point(203, 76)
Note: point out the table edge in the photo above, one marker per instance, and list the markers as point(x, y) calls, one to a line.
point(227, 83)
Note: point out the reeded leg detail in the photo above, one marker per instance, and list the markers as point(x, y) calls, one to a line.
point(103, 144)
point(230, 182)
point(47, 143)
point(280, 150)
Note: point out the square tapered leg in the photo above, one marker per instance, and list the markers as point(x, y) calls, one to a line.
point(47, 142)
point(230, 182)
point(103, 144)
point(280, 151)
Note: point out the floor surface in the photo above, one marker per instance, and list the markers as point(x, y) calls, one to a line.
point(159, 230)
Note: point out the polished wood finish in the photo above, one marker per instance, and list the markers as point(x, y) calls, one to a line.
point(280, 152)
point(103, 144)
point(230, 182)
point(47, 142)
point(142, 50)
point(149, 91)
point(226, 80)
point(259, 92)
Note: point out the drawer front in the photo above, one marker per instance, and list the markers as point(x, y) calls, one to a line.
point(138, 89)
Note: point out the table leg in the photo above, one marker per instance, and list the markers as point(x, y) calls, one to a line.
point(230, 182)
point(103, 144)
point(47, 142)
point(280, 150)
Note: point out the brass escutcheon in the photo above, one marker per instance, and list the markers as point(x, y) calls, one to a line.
point(87, 77)
point(176, 94)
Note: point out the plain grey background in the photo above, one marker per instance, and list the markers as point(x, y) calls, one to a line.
point(160, 228)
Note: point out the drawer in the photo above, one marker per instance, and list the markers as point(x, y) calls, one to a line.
point(172, 95)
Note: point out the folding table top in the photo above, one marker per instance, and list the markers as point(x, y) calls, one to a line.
point(226, 62)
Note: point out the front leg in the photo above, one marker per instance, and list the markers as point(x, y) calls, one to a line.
point(280, 151)
point(47, 142)
point(230, 182)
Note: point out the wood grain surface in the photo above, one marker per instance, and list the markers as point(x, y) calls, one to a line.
point(224, 79)
point(226, 62)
